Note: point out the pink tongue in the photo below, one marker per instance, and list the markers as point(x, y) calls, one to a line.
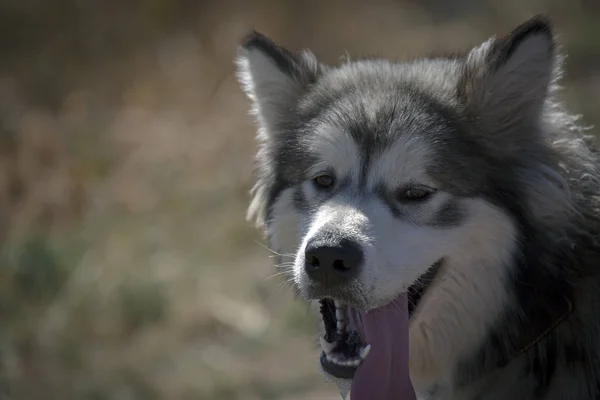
point(383, 375)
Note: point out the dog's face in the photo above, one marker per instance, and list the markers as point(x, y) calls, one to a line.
point(372, 173)
point(378, 193)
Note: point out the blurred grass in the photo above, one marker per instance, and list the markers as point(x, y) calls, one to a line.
point(127, 270)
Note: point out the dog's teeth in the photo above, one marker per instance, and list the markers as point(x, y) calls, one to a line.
point(337, 304)
point(365, 351)
point(326, 346)
point(328, 357)
point(338, 314)
point(356, 362)
point(340, 326)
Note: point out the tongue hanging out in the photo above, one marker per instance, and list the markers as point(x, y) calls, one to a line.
point(370, 347)
point(384, 373)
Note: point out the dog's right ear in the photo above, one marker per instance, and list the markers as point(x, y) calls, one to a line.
point(273, 78)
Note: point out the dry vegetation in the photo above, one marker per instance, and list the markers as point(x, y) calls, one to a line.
point(127, 269)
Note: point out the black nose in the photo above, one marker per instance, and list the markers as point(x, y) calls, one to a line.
point(332, 262)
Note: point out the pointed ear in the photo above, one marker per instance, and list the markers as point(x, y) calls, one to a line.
point(273, 78)
point(506, 81)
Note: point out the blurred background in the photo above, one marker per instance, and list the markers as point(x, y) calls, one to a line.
point(127, 268)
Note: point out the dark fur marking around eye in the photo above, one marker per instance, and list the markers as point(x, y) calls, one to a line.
point(451, 214)
point(388, 200)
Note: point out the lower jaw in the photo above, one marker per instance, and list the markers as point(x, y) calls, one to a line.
point(336, 370)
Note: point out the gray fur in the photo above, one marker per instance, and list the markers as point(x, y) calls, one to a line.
point(488, 130)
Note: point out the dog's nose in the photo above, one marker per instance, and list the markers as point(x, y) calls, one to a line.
point(332, 263)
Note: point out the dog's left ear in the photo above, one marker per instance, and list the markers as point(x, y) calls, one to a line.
point(506, 81)
point(274, 79)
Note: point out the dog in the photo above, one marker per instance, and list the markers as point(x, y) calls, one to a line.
point(443, 212)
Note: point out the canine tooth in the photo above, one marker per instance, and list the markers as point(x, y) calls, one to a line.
point(337, 304)
point(365, 351)
point(356, 362)
point(339, 315)
point(326, 346)
point(328, 357)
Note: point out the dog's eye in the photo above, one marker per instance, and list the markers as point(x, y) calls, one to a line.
point(414, 194)
point(324, 181)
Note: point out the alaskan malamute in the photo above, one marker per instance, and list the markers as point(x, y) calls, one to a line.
point(444, 208)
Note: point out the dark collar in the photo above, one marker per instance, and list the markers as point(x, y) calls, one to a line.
point(555, 310)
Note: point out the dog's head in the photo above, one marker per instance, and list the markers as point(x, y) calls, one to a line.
point(372, 173)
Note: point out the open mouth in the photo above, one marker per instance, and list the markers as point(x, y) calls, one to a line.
point(343, 349)
point(351, 334)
